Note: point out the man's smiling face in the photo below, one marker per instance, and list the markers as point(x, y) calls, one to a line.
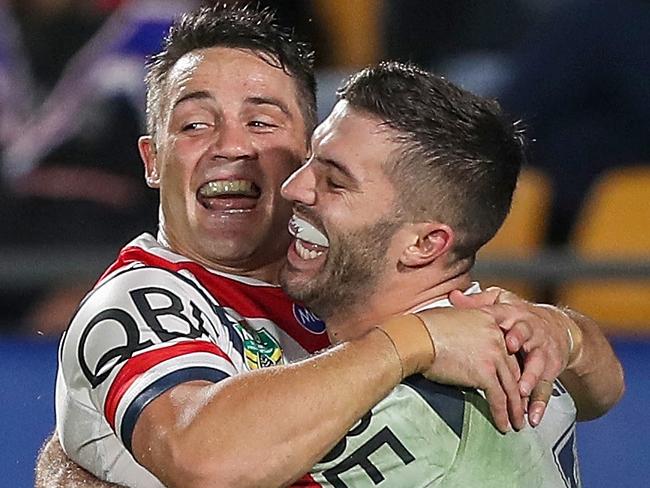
point(344, 213)
point(233, 132)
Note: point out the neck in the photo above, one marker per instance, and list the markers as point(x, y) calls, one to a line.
point(396, 298)
point(268, 272)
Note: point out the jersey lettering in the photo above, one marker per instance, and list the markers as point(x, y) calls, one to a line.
point(308, 319)
point(141, 299)
point(361, 457)
point(122, 353)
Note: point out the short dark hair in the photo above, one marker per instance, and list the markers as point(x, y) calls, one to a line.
point(233, 26)
point(461, 156)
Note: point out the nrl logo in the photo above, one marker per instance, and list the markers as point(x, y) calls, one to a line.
point(261, 350)
point(308, 320)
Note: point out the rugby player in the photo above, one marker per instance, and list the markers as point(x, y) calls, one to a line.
point(161, 351)
point(391, 227)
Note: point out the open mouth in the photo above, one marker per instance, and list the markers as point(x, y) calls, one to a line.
point(310, 242)
point(236, 193)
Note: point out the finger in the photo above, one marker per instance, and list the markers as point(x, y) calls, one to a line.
point(505, 320)
point(505, 296)
point(510, 386)
point(526, 402)
point(519, 334)
point(536, 411)
point(538, 400)
point(534, 367)
point(542, 392)
point(497, 401)
point(505, 315)
point(475, 300)
point(514, 366)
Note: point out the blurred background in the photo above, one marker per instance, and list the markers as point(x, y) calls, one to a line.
point(577, 72)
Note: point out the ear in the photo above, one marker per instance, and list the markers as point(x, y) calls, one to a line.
point(427, 242)
point(148, 154)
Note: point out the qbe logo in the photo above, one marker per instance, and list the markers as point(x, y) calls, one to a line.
point(308, 320)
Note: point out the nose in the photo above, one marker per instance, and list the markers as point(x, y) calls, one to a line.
point(300, 186)
point(233, 142)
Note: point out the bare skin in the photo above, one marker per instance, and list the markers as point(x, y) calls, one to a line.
point(335, 191)
point(231, 117)
point(592, 373)
point(181, 436)
point(55, 469)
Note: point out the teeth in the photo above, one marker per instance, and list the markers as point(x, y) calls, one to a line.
point(305, 253)
point(305, 231)
point(228, 187)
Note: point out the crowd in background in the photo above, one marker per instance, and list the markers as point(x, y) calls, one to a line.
point(71, 103)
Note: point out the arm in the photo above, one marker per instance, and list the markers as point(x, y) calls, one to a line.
point(55, 470)
point(578, 353)
point(266, 427)
point(555, 343)
point(229, 427)
point(595, 375)
point(224, 434)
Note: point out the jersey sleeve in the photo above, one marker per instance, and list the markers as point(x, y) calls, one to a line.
point(141, 332)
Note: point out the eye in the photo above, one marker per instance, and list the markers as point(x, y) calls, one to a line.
point(259, 124)
point(333, 184)
point(194, 126)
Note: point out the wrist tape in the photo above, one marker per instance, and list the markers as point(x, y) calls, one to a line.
point(412, 342)
point(575, 343)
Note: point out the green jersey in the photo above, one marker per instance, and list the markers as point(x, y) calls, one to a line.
point(426, 434)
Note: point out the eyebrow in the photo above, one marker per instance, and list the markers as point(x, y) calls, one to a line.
point(203, 95)
point(276, 102)
point(195, 95)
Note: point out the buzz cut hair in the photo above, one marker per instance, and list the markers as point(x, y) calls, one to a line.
point(459, 156)
point(237, 26)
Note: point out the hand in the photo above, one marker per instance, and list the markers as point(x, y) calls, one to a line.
point(539, 332)
point(470, 351)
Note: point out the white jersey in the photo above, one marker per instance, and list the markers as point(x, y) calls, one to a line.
point(154, 320)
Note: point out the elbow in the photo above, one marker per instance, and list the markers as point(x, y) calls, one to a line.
point(190, 464)
point(186, 454)
point(594, 408)
point(618, 389)
point(182, 466)
point(179, 441)
point(175, 459)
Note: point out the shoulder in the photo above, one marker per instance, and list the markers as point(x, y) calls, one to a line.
point(142, 308)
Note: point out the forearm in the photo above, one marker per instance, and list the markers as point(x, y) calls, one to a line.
point(267, 427)
point(595, 378)
point(55, 470)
